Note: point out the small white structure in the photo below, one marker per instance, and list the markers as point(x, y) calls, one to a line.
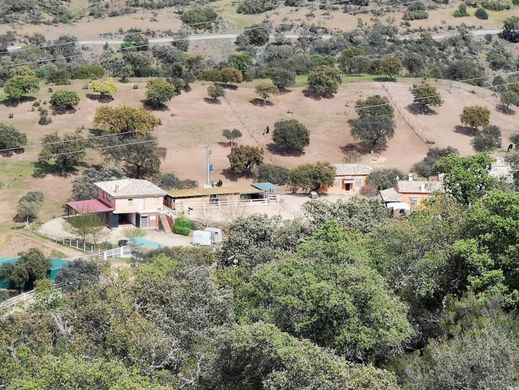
point(202, 238)
point(216, 235)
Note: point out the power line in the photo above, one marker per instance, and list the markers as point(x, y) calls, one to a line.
point(95, 149)
point(66, 141)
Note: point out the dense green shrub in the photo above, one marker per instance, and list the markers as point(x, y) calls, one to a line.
point(88, 71)
point(200, 17)
point(481, 14)
point(183, 226)
point(496, 5)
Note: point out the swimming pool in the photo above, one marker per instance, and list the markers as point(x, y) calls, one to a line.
point(145, 243)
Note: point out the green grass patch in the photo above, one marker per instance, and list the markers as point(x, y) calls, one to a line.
point(14, 174)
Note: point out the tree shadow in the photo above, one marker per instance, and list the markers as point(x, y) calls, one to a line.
point(419, 109)
point(384, 79)
point(465, 130)
point(43, 168)
point(99, 98)
point(505, 110)
point(149, 107)
point(61, 111)
point(316, 96)
point(230, 175)
point(362, 148)
point(212, 101)
point(284, 91)
point(232, 87)
point(261, 102)
point(226, 144)
point(14, 103)
point(10, 153)
point(276, 149)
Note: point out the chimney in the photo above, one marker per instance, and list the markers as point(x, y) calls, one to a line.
point(410, 178)
point(440, 177)
point(116, 188)
point(422, 187)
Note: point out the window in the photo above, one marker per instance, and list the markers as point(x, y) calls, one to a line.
point(414, 200)
point(358, 181)
point(130, 202)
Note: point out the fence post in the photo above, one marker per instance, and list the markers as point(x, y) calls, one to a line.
point(122, 250)
point(104, 255)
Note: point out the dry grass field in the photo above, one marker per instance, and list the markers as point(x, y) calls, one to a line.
point(189, 122)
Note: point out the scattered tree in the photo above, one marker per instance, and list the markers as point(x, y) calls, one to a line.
point(475, 116)
point(324, 80)
point(425, 96)
point(466, 178)
point(125, 120)
point(169, 181)
point(291, 135)
point(159, 92)
point(232, 135)
point(141, 155)
point(104, 87)
point(282, 78)
point(11, 139)
point(78, 274)
point(274, 174)
point(265, 90)
point(19, 86)
point(374, 131)
point(245, 158)
point(29, 206)
point(88, 227)
point(312, 177)
point(64, 100)
point(215, 92)
point(508, 98)
point(61, 154)
point(200, 18)
point(31, 266)
point(489, 139)
point(375, 105)
point(383, 178)
point(427, 167)
point(390, 65)
point(511, 29)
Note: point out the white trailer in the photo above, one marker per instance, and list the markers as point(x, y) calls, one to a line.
point(202, 238)
point(216, 235)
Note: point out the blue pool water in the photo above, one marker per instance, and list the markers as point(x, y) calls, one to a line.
point(143, 242)
point(56, 265)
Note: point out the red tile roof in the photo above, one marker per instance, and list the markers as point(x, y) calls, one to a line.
point(89, 206)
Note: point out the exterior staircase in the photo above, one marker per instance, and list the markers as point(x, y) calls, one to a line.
point(165, 223)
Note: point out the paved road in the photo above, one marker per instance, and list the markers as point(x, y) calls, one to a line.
point(211, 37)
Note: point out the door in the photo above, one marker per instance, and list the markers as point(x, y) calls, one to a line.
point(347, 186)
point(144, 221)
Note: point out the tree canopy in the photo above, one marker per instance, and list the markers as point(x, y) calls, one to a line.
point(324, 80)
point(291, 135)
point(133, 122)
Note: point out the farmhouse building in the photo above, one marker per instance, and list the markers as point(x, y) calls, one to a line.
point(125, 201)
point(414, 192)
point(350, 177)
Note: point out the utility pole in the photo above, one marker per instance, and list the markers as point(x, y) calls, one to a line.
point(208, 165)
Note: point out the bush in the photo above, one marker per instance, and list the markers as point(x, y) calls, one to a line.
point(481, 14)
point(291, 135)
point(88, 71)
point(461, 11)
point(416, 15)
point(183, 226)
point(274, 174)
point(496, 5)
point(199, 17)
point(252, 7)
point(59, 77)
point(64, 100)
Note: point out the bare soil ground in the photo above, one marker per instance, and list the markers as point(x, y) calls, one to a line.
point(14, 242)
point(189, 122)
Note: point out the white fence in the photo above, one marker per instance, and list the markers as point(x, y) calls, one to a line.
point(217, 203)
point(23, 298)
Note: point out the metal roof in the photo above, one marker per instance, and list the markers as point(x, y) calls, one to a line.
point(130, 187)
point(194, 192)
point(390, 195)
point(419, 187)
point(265, 186)
point(352, 169)
point(89, 206)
